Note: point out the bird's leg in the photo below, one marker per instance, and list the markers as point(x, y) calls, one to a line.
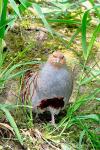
point(52, 119)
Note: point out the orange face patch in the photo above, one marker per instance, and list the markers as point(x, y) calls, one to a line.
point(57, 58)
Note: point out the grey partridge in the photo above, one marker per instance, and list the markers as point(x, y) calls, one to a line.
point(51, 87)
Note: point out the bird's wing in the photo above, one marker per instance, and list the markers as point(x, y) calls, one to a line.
point(29, 78)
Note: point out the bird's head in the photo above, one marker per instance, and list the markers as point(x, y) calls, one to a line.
point(57, 59)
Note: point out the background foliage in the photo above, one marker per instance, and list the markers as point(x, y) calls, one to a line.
point(54, 13)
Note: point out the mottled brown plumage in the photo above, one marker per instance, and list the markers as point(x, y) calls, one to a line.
point(50, 88)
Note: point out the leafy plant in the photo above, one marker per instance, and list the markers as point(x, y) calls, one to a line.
point(12, 122)
point(86, 50)
point(6, 74)
point(58, 12)
point(71, 118)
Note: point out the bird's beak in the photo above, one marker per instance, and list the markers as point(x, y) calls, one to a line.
point(57, 60)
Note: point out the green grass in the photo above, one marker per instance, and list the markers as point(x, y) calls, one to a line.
point(85, 123)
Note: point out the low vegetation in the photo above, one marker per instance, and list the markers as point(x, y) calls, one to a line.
point(29, 31)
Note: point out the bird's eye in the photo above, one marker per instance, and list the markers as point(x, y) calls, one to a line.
point(62, 57)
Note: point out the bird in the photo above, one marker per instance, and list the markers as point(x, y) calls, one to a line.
point(50, 88)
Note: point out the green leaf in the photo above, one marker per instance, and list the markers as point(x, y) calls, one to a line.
point(15, 7)
point(96, 31)
point(41, 15)
point(64, 21)
point(98, 99)
point(81, 101)
point(94, 117)
point(73, 37)
point(89, 79)
point(25, 4)
point(1, 4)
point(13, 124)
point(95, 7)
point(84, 23)
point(63, 7)
point(5, 23)
point(3, 18)
point(18, 74)
point(81, 138)
point(2, 55)
point(10, 68)
point(87, 49)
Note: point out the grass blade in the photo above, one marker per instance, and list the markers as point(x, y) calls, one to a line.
point(15, 7)
point(18, 74)
point(3, 18)
point(1, 2)
point(84, 23)
point(89, 79)
point(93, 117)
point(73, 37)
point(80, 139)
point(64, 21)
point(11, 68)
point(96, 31)
point(13, 124)
point(41, 15)
point(6, 22)
point(81, 101)
point(24, 3)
